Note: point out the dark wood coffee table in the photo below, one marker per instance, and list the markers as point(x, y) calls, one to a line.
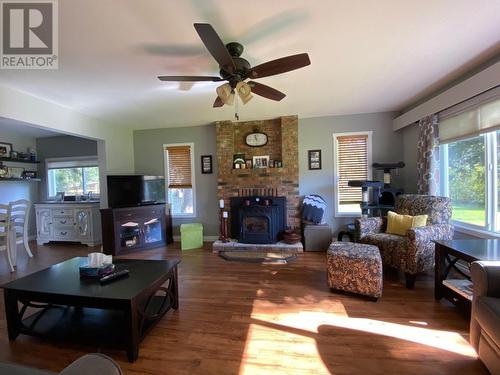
point(448, 253)
point(116, 315)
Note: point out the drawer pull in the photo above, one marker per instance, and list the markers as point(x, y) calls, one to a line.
point(63, 221)
point(64, 233)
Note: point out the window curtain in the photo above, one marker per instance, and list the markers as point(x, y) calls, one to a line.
point(428, 156)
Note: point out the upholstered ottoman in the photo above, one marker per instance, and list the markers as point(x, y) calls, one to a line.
point(191, 236)
point(355, 267)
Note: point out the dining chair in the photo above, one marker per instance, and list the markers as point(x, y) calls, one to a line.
point(6, 233)
point(19, 223)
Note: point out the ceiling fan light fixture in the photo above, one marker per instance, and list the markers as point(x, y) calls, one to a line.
point(225, 93)
point(235, 69)
point(244, 92)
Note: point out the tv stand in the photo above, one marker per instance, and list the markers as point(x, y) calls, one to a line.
point(128, 229)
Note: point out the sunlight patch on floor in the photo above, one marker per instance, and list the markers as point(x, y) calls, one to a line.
point(309, 321)
point(418, 323)
point(289, 353)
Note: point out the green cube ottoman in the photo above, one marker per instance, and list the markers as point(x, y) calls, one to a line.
point(191, 236)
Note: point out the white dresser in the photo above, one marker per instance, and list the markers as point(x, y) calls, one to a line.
point(69, 221)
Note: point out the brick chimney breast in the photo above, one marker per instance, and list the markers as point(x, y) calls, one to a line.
point(282, 145)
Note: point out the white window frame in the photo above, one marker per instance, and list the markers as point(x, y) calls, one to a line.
point(336, 210)
point(165, 164)
point(71, 162)
point(491, 198)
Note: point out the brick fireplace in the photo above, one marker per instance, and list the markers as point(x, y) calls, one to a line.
point(282, 145)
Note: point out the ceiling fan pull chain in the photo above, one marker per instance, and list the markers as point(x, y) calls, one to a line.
point(236, 108)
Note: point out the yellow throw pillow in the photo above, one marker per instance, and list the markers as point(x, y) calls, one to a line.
point(399, 224)
point(419, 221)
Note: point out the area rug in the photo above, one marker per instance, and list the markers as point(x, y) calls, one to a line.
point(264, 257)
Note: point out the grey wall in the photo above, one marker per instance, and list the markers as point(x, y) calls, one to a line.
point(409, 135)
point(148, 154)
point(317, 133)
point(14, 190)
point(64, 146)
point(314, 133)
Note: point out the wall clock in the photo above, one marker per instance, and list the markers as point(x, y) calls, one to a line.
point(256, 139)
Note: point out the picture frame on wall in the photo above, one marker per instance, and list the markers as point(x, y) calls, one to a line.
point(5, 149)
point(314, 158)
point(260, 161)
point(206, 164)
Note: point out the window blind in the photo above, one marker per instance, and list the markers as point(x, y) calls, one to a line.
point(71, 163)
point(179, 167)
point(352, 159)
point(468, 119)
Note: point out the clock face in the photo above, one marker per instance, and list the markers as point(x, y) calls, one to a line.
point(256, 139)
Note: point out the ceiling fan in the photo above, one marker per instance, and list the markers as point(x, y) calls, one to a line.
point(236, 70)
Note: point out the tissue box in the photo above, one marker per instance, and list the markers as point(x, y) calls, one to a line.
point(96, 265)
point(88, 271)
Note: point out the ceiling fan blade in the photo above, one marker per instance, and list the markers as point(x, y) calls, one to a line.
point(266, 91)
point(218, 102)
point(189, 78)
point(278, 66)
point(215, 46)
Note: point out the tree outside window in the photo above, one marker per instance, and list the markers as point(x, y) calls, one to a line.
point(73, 181)
point(467, 180)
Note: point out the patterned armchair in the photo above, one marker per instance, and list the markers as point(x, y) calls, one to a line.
point(414, 252)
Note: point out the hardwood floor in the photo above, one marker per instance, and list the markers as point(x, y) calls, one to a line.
point(244, 318)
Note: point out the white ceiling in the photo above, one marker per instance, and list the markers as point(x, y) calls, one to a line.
point(367, 55)
point(22, 129)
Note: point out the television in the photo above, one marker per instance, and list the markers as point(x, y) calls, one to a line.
point(135, 190)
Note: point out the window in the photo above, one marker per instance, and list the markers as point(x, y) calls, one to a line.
point(352, 159)
point(470, 165)
point(72, 176)
point(179, 167)
point(497, 213)
point(465, 176)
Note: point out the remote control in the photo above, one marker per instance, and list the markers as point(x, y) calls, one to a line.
point(114, 276)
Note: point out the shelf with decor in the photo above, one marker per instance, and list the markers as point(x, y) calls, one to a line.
point(256, 171)
point(19, 160)
point(20, 179)
point(14, 172)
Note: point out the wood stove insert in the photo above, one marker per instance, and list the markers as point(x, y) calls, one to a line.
point(258, 220)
